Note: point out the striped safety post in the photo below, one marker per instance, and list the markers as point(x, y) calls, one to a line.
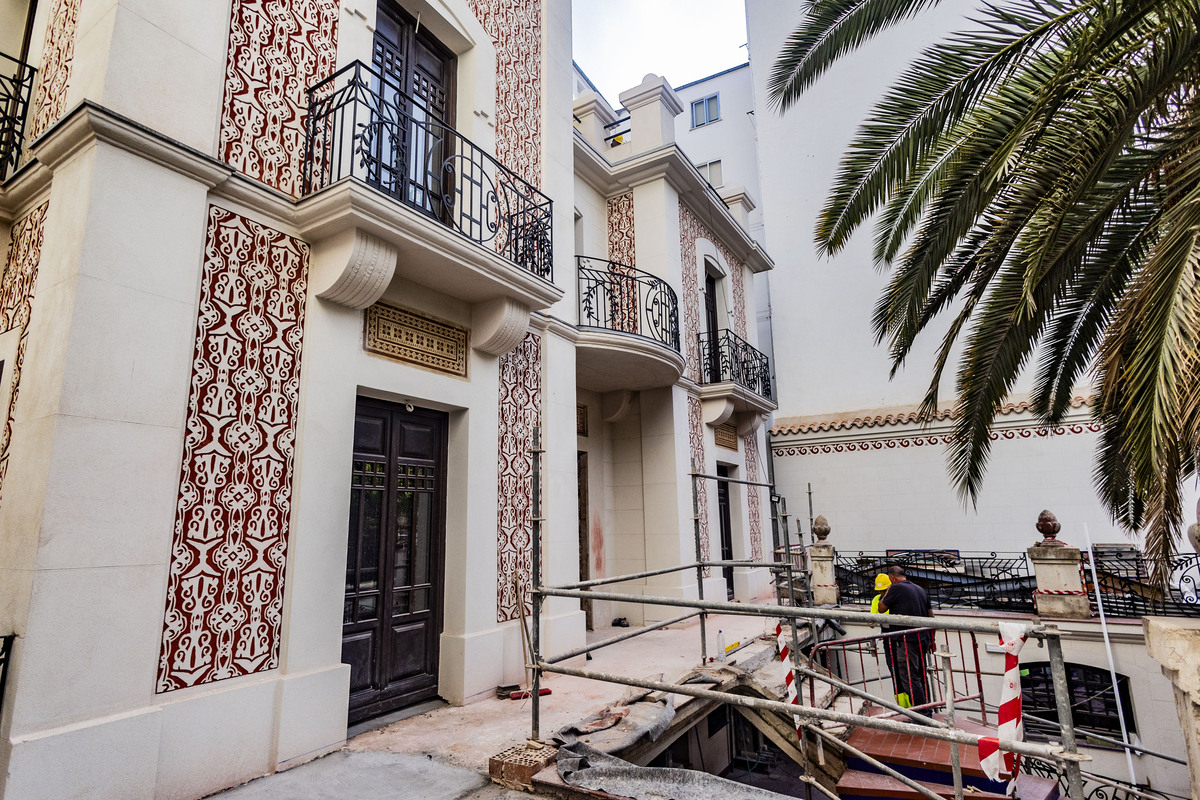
point(1012, 639)
point(793, 696)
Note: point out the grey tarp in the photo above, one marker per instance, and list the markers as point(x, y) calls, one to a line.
point(588, 768)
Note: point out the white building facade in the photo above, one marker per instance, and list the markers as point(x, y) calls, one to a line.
point(288, 288)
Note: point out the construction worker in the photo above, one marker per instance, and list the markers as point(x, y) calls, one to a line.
point(882, 582)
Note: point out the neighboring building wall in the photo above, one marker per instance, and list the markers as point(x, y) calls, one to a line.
point(885, 485)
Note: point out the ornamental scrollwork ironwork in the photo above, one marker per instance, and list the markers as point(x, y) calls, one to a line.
point(725, 356)
point(361, 125)
point(16, 87)
point(951, 578)
point(618, 297)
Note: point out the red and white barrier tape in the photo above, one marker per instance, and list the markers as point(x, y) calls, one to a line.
point(1012, 639)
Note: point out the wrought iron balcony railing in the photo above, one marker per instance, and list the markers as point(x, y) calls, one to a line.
point(952, 578)
point(1126, 589)
point(16, 87)
point(361, 125)
point(725, 356)
point(620, 298)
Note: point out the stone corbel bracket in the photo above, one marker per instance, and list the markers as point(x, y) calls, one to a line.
point(716, 410)
point(498, 325)
point(355, 266)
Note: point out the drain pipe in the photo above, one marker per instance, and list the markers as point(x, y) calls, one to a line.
point(1112, 668)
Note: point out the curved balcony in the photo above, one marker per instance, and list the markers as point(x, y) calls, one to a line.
point(733, 369)
point(628, 328)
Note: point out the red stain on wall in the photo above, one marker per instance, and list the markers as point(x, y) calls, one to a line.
point(596, 541)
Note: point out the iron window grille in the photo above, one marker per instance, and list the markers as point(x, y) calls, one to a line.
point(617, 297)
point(1093, 703)
point(361, 125)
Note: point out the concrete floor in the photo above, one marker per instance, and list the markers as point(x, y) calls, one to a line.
point(442, 754)
point(466, 736)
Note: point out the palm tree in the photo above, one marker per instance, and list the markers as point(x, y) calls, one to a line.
point(1038, 178)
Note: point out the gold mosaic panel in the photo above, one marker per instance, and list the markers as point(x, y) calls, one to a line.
point(405, 335)
point(726, 436)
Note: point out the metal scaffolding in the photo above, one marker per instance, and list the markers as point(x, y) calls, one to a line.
point(1066, 754)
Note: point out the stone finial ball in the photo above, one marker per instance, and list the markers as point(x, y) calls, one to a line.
point(820, 528)
point(1048, 526)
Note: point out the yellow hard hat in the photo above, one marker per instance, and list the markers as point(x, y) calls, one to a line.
point(882, 582)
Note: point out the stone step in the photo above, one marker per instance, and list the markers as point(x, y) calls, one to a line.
point(861, 785)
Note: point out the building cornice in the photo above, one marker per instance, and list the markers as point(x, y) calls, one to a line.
point(907, 417)
point(669, 163)
point(1015, 422)
point(88, 123)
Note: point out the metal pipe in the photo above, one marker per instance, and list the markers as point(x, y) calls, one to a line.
point(877, 764)
point(535, 689)
point(948, 692)
point(1141, 751)
point(1112, 669)
point(724, 479)
point(699, 565)
point(734, 563)
point(920, 719)
point(1042, 751)
point(578, 651)
point(1062, 699)
point(811, 781)
point(940, 623)
point(633, 576)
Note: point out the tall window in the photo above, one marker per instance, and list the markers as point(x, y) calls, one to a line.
point(1093, 704)
point(706, 110)
point(712, 173)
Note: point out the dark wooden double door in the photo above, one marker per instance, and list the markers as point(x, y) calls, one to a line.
point(392, 617)
point(409, 160)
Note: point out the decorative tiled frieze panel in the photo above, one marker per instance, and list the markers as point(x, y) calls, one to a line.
point(1008, 434)
point(520, 413)
point(277, 50)
point(752, 498)
point(696, 445)
point(516, 30)
point(50, 99)
point(620, 230)
point(225, 590)
point(415, 338)
point(621, 256)
point(690, 230)
point(16, 304)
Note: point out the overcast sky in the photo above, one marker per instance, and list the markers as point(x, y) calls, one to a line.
point(616, 42)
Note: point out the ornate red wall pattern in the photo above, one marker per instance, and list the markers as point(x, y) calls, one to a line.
point(520, 413)
point(516, 30)
point(691, 229)
point(620, 230)
point(696, 445)
point(751, 449)
point(225, 591)
point(50, 100)
point(621, 254)
point(16, 305)
point(277, 50)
